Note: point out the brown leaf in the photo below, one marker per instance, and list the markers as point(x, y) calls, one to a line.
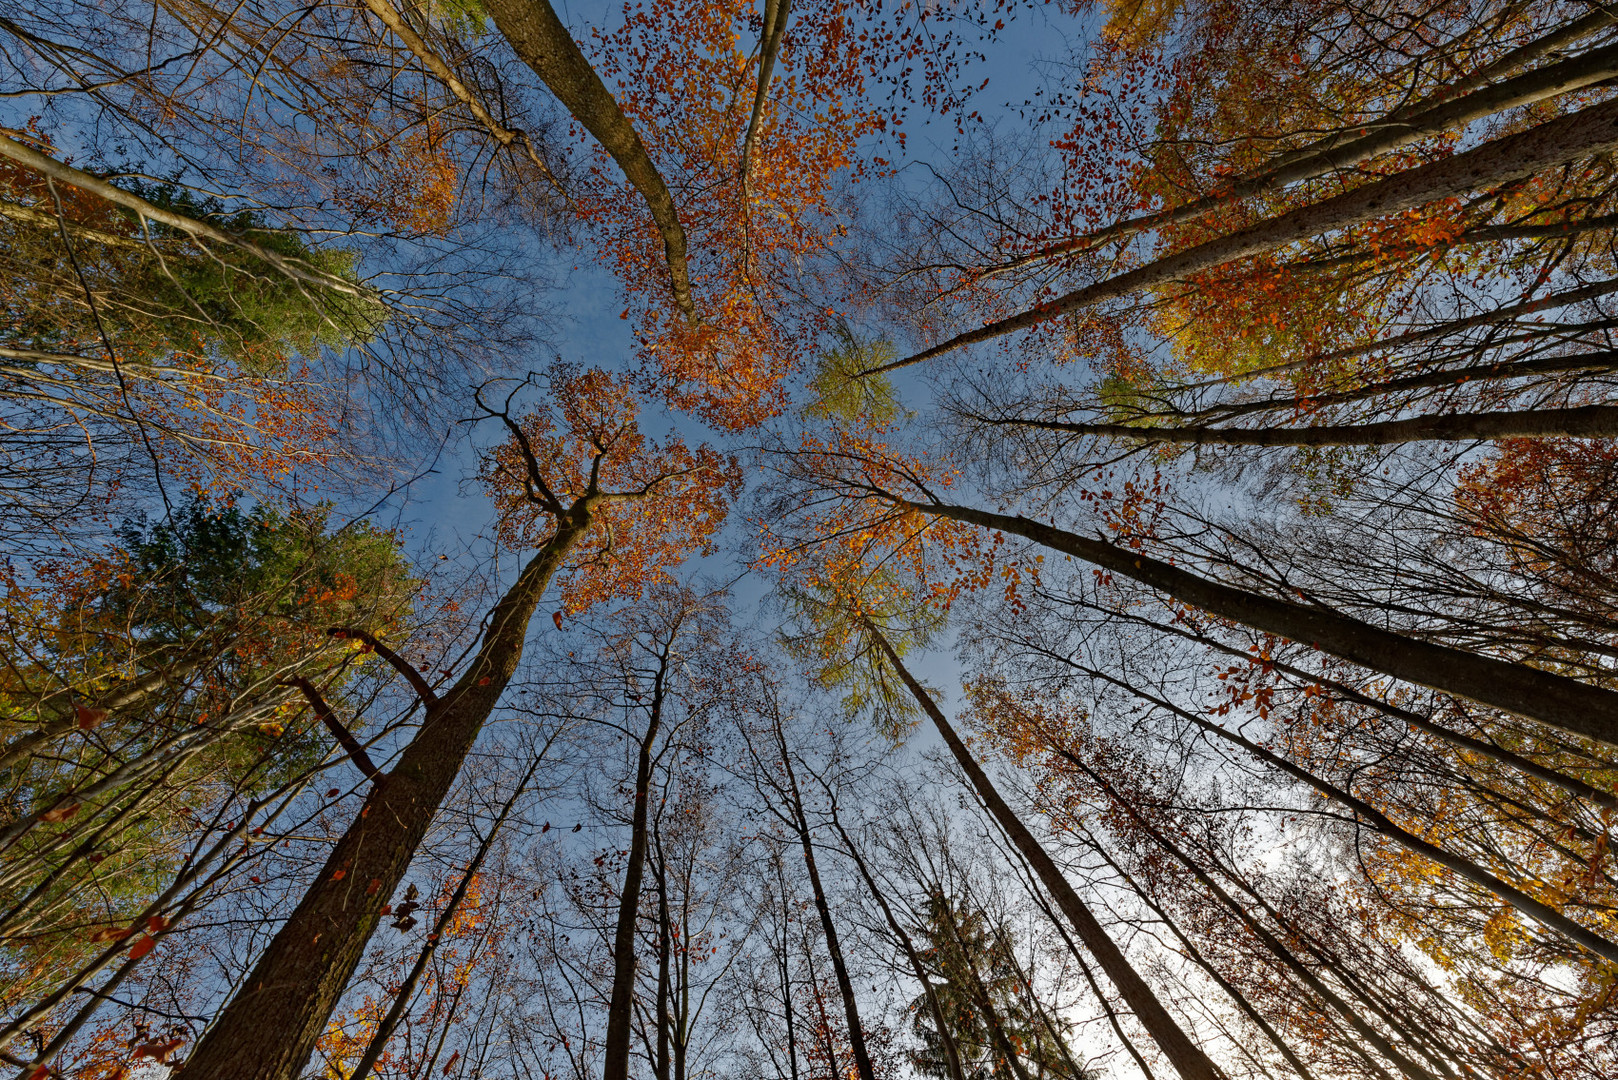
point(145, 945)
point(61, 813)
point(89, 719)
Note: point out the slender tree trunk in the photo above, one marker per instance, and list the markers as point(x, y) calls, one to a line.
point(1195, 954)
point(1186, 1056)
point(1592, 130)
point(621, 1007)
point(1445, 377)
point(269, 1029)
point(1554, 700)
point(540, 40)
point(1376, 1039)
point(660, 1063)
point(1379, 822)
point(1570, 784)
point(407, 989)
point(1583, 422)
point(845, 985)
point(952, 1056)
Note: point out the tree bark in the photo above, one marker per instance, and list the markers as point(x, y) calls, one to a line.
point(1554, 700)
point(621, 1007)
point(845, 985)
point(1185, 1055)
point(407, 989)
point(269, 1029)
point(1590, 131)
point(1397, 129)
point(541, 41)
point(1583, 422)
point(1379, 822)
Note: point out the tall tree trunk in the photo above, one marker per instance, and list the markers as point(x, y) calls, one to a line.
point(1376, 1039)
point(845, 985)
point(270, 1027)
point(952, 1056)
point(1554, 700)
point(1592, 130)
point(540, 40)
point(1186, 1056)
point(1583, 422)
point(1379, 822)
point(665, 941)
point(1399, 128)
point(621, 1007)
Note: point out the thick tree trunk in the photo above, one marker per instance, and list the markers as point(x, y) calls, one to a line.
point(1401, 128)
point(1554, 700)
point(540, 40)
point(621, 1007)
point(1584, 422)
point(270, 1027)
point(1185, 1055)
point(1590, 131)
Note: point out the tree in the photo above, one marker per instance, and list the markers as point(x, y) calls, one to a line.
point(551, 480)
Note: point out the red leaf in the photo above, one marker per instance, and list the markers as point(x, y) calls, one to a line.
point(155, 923)
point(89, 719)
point(338, 875)
point(333, 793)
point(376, 883)
point(145, 945)
point(40, 1072)
point(556, 617)
point(111, 933)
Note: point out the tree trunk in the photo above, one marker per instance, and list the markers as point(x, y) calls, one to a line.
point(540, 40)
point(1590, 131)
point(1555, 700)
point(407, 989)
point(1540, 912)
point(845, 985)
point(621, 1008)
point(1584, 422)
point(1185, 1055)
point(952, 1057)
point(1399, 128)
point(270, 1027)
